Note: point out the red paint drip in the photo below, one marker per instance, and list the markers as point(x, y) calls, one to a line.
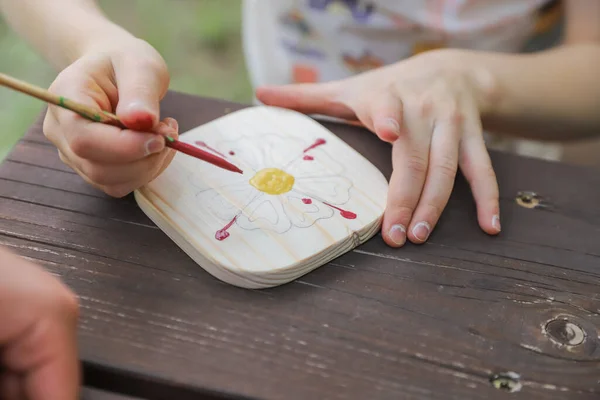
point(203, 144)
point(317, 143)
point(343, 213)
point(232, 153)
point(307, 201)
point(308, 158)
point(222, 234)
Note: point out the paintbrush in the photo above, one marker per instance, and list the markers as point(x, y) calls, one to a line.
point(105, 117)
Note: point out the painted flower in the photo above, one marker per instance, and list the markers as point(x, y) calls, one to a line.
point(286, 183)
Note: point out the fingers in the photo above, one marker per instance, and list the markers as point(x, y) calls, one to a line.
point(38, 334)
point(386, 118)
point(142, 83)
point(120, 178)
point(56, 375)
point(112, 159)
point(11, 387)
point(90, 140)
point(410, 159)
point(59, 376)
point(107, 144)
point(476, 166)
point(118, 181)
point(323, 98)
point(443, 164)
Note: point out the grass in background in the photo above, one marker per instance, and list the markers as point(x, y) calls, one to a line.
point(199, 39)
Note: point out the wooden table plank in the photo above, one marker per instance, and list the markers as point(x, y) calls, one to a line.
point(94, 394)
point(424, 322)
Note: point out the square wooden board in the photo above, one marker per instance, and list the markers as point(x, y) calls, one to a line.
point(305, 198)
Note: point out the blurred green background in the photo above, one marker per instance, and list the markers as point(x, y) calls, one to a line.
point(199, 39)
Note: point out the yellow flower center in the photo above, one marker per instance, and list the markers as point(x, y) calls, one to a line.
point(272, 181)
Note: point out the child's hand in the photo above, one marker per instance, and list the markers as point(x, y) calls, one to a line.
point(429, 107)
point(38, 333)
point(127, 77)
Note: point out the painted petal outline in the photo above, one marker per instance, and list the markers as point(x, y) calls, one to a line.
point(330, 189)
point(303, 215)
point(280, 150)
point(246, 152)
point(264, 212)
point(227, 207)
point(320, 165)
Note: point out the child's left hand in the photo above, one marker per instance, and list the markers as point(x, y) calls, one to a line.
point(429, 108)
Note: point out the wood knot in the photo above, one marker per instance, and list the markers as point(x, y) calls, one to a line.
point(564, 332)
point(509, 381)
point(529, 199)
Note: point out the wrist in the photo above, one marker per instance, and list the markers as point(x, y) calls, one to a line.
point(99, 36)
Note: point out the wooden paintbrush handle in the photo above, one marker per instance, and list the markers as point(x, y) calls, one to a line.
point(91, 113)
point(105, 117)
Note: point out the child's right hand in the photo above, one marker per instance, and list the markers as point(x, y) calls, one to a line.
point(127, 77)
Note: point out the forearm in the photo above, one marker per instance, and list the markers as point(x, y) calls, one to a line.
point(551, 95)
point(60, 30)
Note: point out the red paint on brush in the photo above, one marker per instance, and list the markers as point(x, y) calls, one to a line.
point(203, 155)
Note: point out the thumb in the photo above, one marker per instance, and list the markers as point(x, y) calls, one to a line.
point(141, 85)
point(307, 98)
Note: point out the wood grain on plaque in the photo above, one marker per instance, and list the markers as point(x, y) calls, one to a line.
point(305, 198)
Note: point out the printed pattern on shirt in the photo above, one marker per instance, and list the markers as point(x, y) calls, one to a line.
point(340, 38)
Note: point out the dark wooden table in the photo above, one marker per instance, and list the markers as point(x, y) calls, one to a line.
point(452, 319)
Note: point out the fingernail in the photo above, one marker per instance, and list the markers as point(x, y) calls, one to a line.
point(496, 222)
point(393, 125)
point(421, 231)
point(154, 145)
point(398, 234)
point(172, 124)
point(166, 130)
point(138, 106)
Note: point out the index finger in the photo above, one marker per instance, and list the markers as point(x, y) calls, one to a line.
point(307, 98)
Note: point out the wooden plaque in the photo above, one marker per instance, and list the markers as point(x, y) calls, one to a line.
point(305, 198)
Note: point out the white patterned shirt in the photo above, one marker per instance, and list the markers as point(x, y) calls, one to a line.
point(294, 41)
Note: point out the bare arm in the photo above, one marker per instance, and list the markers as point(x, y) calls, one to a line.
point(581, 21)
point(552, 95)
point(60, 30)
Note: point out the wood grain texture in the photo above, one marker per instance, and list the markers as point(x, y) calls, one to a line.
point(94, 394)
point(305, 198)
point(435, 321)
